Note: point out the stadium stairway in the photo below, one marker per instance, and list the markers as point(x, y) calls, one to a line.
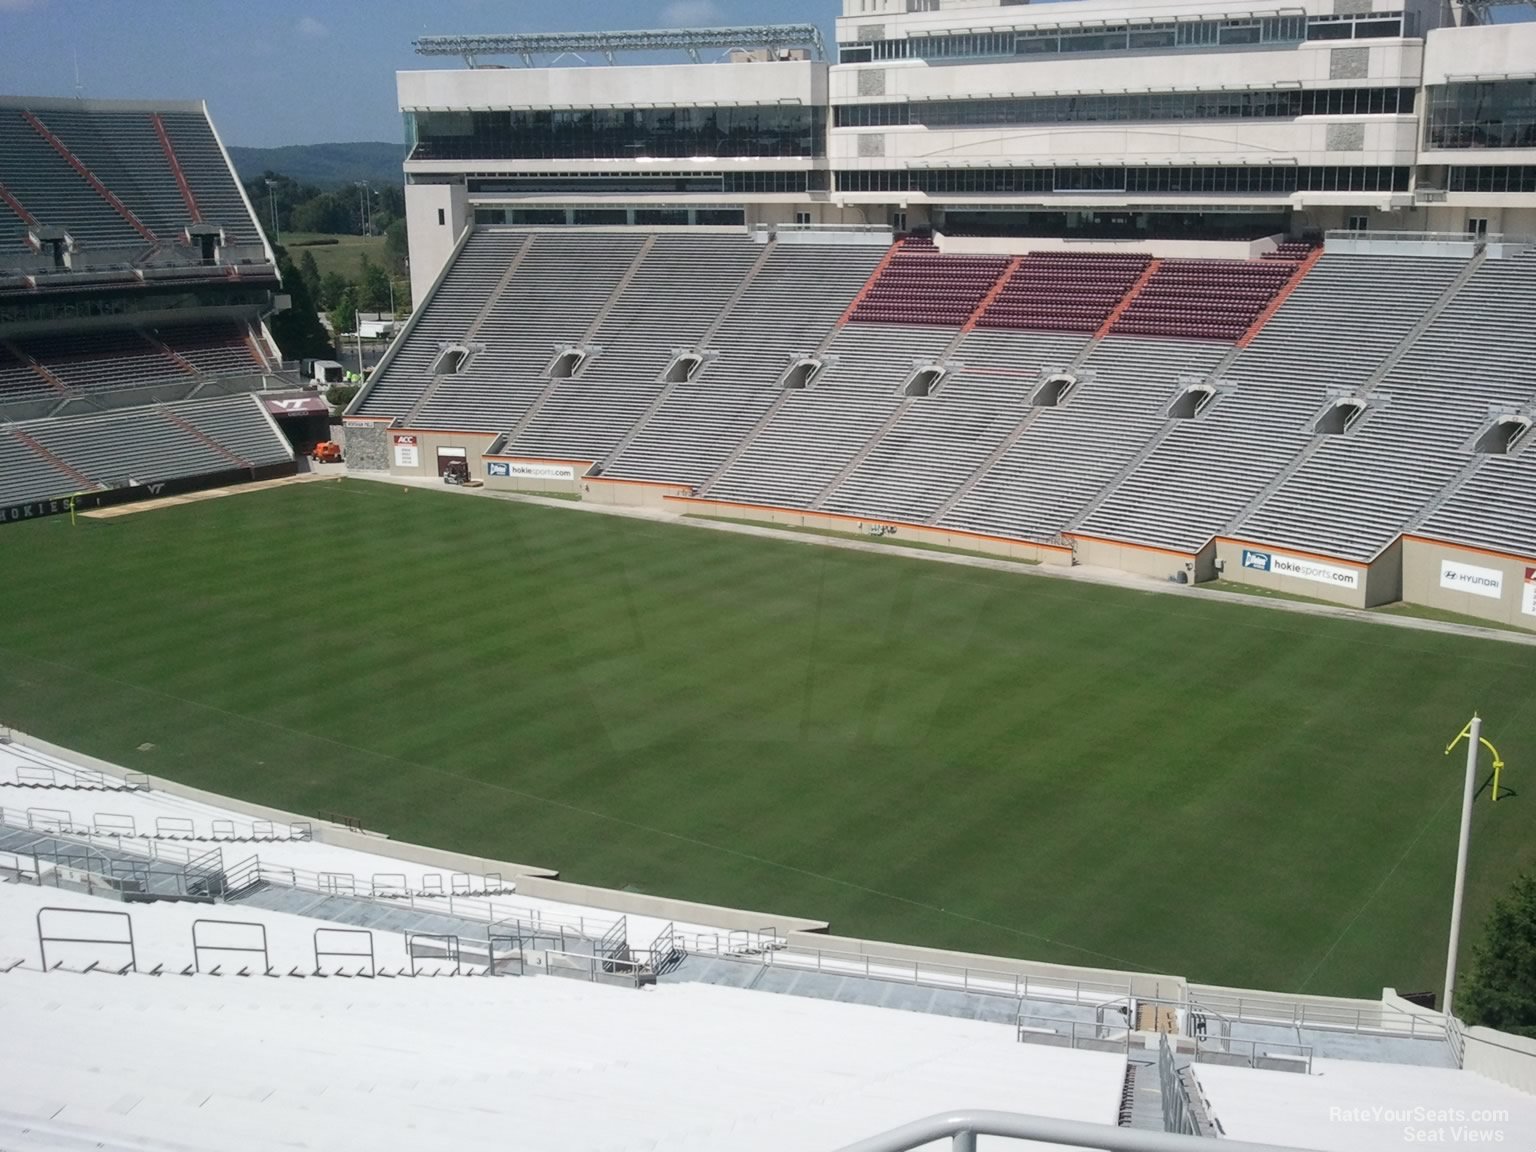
point(554, 383)
point(473, 332)
point(703, 344)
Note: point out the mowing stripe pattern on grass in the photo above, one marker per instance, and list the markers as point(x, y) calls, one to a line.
point(912, 751)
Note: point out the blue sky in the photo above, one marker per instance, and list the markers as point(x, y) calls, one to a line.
point(299, 71)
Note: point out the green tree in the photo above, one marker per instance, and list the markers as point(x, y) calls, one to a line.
point(340, 395)
point(332, 285)
point(344, 311)
point(310, 271)
point(327, 212)
point(396, 246)
point(298, 331)
point(1500, 990)
point(373, 289)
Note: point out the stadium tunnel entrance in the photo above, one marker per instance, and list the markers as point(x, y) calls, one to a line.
point(303, 420)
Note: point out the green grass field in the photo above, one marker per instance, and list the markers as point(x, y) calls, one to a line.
point(912, 750)
point(345, 257)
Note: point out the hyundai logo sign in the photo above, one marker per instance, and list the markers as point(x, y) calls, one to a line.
point(1258, 561)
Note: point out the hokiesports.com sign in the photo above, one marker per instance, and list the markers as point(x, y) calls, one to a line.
point(1280, 564)
point(524, 470)
point(1528, 601)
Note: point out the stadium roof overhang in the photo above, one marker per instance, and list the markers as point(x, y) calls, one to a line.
point(527, 45)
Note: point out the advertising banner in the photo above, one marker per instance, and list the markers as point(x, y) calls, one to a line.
point(527, 470)
point(1280, 564)
point(1478, 581)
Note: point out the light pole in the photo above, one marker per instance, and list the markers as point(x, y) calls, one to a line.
point(1474, 735)
point(363, 207)
point(272, 199)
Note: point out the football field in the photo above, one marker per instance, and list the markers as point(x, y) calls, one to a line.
point(912, 750)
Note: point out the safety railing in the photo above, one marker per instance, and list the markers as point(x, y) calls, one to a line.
point(28, 775)
point(665, 951)
point(1176, 1112)
point(120, 826)
point(1086, 1034)
point(249, 940)
point(1016, 985)
point(962, 1130)
point(596, 969)
point(21, 867)
point(1371, 1017)
point(63, 935)
point(430, 897)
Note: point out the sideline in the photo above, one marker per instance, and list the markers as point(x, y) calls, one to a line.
point(1088, 574)
point(133, 509)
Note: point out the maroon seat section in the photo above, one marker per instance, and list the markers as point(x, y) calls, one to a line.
point(1295, 250)
point(1064, 291)
point(920, 285)
point(1205, 299)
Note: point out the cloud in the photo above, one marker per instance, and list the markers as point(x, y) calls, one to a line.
point(309, 28)
point(682, 13)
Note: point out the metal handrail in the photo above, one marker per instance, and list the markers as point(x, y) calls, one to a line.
point(962, 1129)
point(1077, 1033)
point(252, 869)
point(1373, 1016)
point(1017, 985)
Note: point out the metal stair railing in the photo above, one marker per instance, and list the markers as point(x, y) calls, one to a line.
point(962, 1128)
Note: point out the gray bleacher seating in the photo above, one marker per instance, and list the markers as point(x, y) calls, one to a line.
point(560, 286)
point(137, 446)
point(20, 381)
point(1070, 451)
point(941, 440)
point(26, 474)
point(1334, 330)
point(209, 175)
point(677, 293)
point(134, 445)
point(447, 315)
point(92, 363)
point(238, 425)
point(48, 187)
point(123, 152)
point(1111, 461)
point(224, 348)
point(820, 430)
point(1357, 492)
point(788, 310)
point(1493, 508)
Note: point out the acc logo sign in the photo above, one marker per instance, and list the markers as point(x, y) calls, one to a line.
point(1259, 561)
point(492, 468)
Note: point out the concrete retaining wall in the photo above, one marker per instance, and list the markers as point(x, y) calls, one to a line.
point(897, 532)
point(1305, 574)
point(1160, 563)
point(1472, 581)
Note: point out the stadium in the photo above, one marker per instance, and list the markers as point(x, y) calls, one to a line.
point(964, 557)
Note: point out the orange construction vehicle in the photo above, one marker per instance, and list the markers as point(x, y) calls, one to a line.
point(326, 452)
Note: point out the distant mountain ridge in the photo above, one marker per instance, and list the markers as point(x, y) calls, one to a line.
point(324, 164)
